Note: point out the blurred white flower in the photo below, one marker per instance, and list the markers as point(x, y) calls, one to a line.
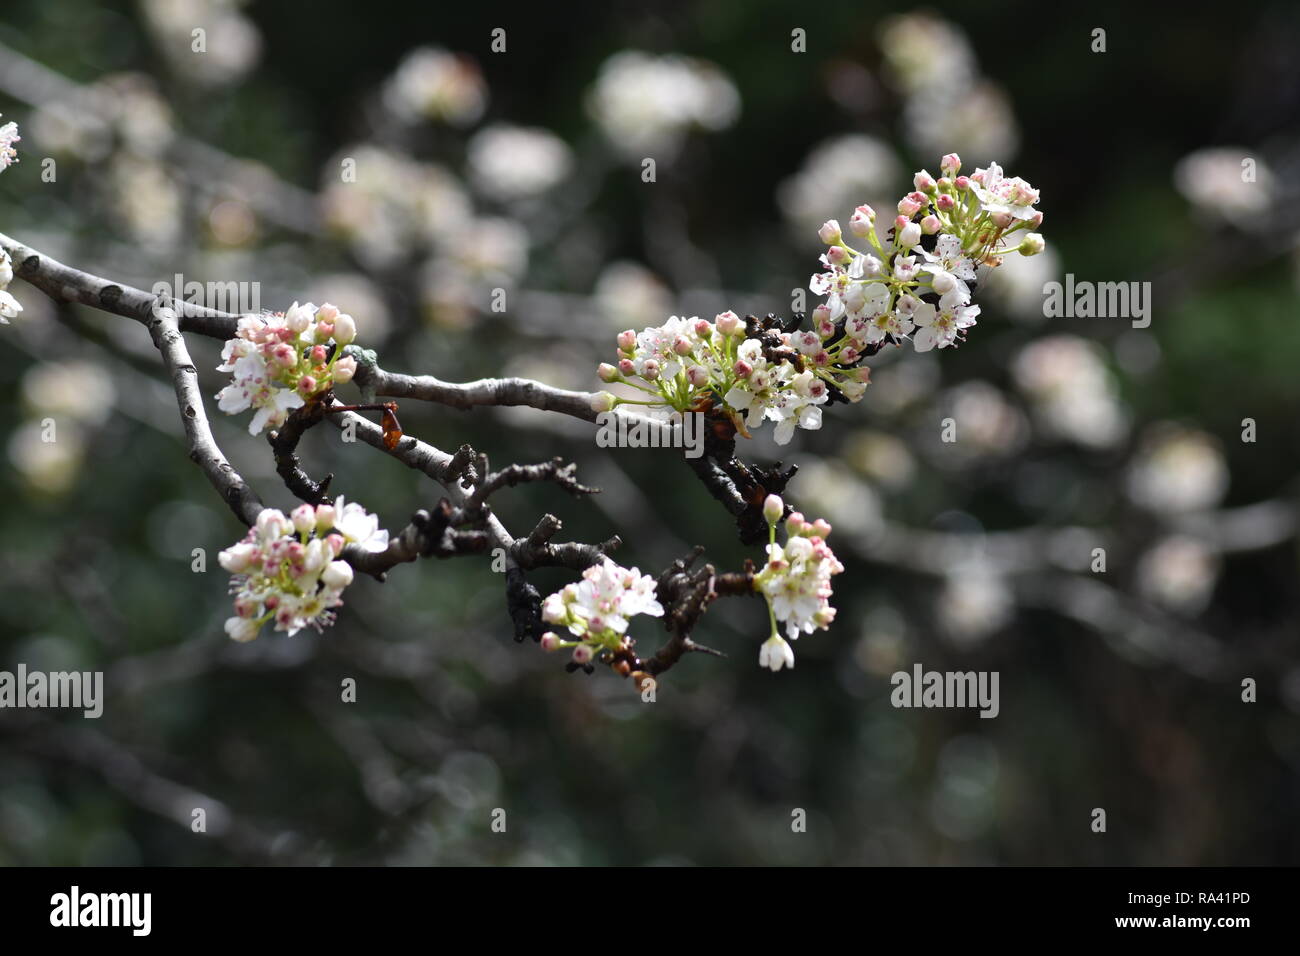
point(390, 205)
point(66, 128)
point(646, 104)
point(231, 43)
point(72, 389)
point(1072, 393)
point(987, 424)
point(362, 296)
point(143, 119)
point(1179, 573)
point(1177, 469)
point(841, 172)
point(146, 200)
point(974, 604)
point(881, 457)
point(977, 122)
point(48, 467)
point(1017, 284)
point(461, 281)
point(514, 162)
point(631, 296)
point(948, 105)
point(831, 489)
point(1215, 182)
point(923, 51)
point(433, 83)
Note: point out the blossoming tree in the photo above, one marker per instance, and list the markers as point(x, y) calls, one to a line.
point(911, 278)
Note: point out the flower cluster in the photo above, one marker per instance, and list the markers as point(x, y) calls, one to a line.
point(597, 609)
point(8, 136)
point(918, 281)
point(795, 581)
point(9, 306)
point(283, 360)
point(757, 371)
point(287, 569)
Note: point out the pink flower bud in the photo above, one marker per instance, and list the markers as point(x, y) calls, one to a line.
point(849, 354)
point(923, 181)
point(930, 225)
point(821, 318)
point(607, 372)
point(319, 354)
point(773, 508)
point(703, 329)
point(822, 359)
point(862, 221)
point(830, 233)
point(327, 312)
point(550, 641)
point(821, 528)
point(909, 207)
point(838, 256)
point(336, 542)
point(344, 369)
point(950, 165)
point(1036, 221)
point(962, 183)
point(742, 368)
point(627, 366)
point(698, 376)
point(650, 370)
point(324, 330)
point(945, 202)
point(324, 517)
point(297, 318)
point(283, 355)
point(794, 524)
point(1002, 219)
point(682, 345)
point(627, 340)
point(581, 654)
point(728, 323)
point(306, 386)
point(900, 222)
point(304, 518)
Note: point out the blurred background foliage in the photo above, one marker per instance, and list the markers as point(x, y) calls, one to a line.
point(521, 171)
